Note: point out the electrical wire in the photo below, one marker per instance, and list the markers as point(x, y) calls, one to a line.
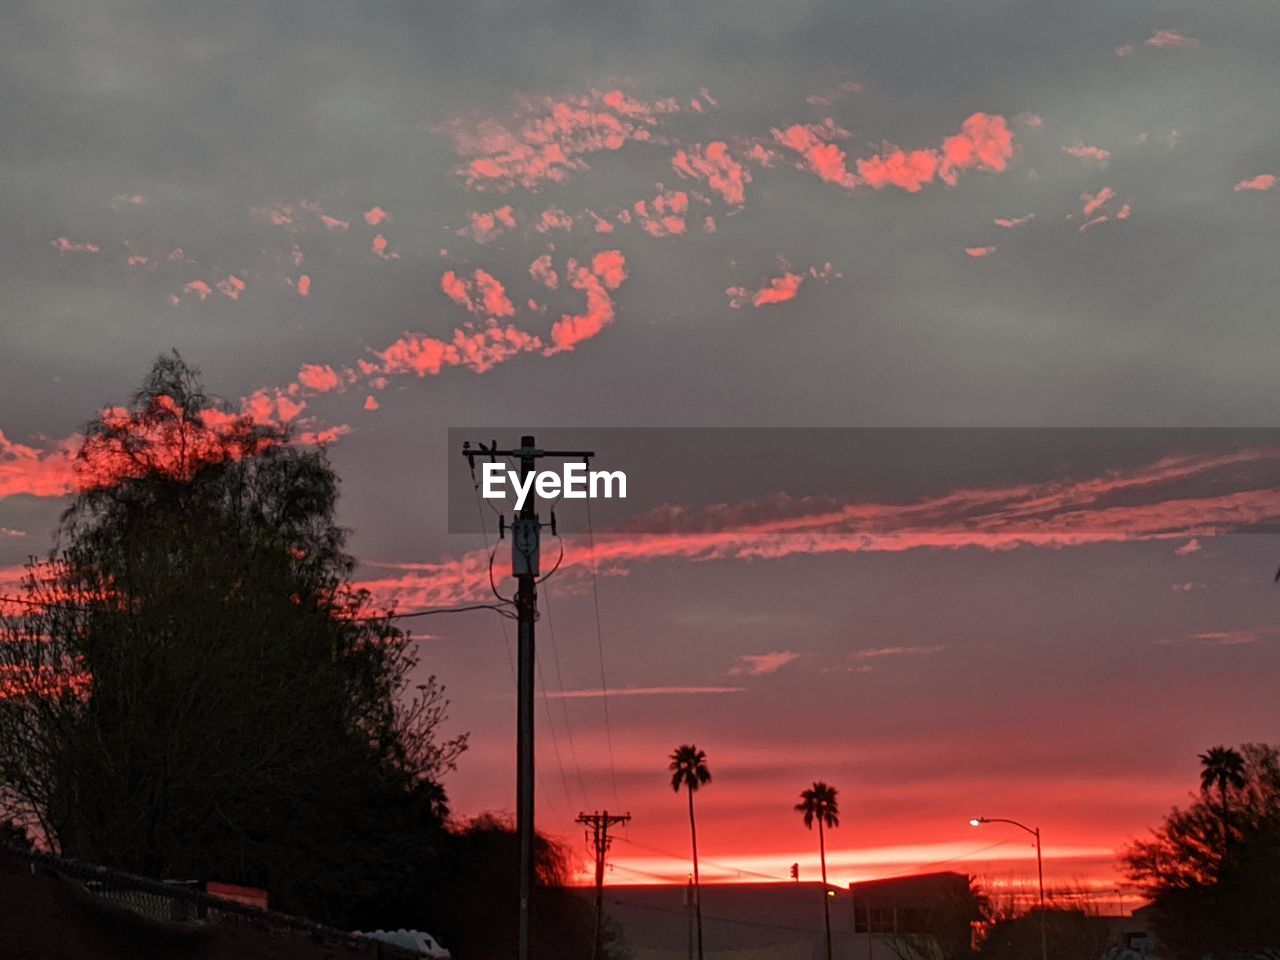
point(722, 866)
point(564, 703)
point(604, 686)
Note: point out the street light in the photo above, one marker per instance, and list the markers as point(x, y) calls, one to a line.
point(1035, 832)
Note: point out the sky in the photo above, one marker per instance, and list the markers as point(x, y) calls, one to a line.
point(381, 222)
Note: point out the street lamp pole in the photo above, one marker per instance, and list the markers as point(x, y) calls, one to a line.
point(1035, 832)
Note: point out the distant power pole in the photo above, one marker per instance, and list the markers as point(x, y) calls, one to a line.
point(600, 840)
point(526, 533)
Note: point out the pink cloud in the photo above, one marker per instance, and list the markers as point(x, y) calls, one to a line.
point(318, 377)
point(1097, 201)
point(1150, 503)
point(1011, 222)
point(607, 271)
point(199, 288)
point(983, 143)
point(897, 168)
point(723, 174)
point(483, 295)
point(664, 215)
point(370, 403)
point(484, 227)
point(554, 219)
point(304, 285)
point(979, 252)
point(381, 248)
point(550, 138)
point(777, 289)
point(1171, 39)
point(1090, 156)
point(230, 287)
point(33, 472)
point(1188, 548)
point(1263, 181)
point(823, 158)
point(1125, 50)
point(762, 664)
point(65, 245)
point(542, 271)
point(376, 216)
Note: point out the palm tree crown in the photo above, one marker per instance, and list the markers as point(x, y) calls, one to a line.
point(819, 803)
point(1221, 767)
point(688, 768)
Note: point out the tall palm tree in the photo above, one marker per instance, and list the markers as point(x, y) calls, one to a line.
point(689, 769)
point(1223, 768)
point(819, 803)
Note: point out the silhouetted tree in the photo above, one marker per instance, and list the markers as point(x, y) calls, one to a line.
point(197, 691)
point(473, 903)
point(819, 803)
point(689, 771)
point(1223, 768)
point(1208, 897)
point(14, 835)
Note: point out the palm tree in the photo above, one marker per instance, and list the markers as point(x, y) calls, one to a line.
point(1222, 767)
point(819, 803)
point(689, 769)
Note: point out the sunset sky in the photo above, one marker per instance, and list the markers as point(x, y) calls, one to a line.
point(381, 221)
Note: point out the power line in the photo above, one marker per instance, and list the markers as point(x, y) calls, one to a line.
point(564, 701)
point(722, 866)
point(604, 686)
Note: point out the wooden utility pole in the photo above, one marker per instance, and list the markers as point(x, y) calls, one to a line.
point(526, 531)
point(600, 840)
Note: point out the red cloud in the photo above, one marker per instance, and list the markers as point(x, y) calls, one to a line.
point(823, 158)
point(897, 168)
point(1090, 156)
point(1096, 201)
point(483, 295)
point(304, 285)
point(1148, 503)
point(554, 219)
point(542, 271)
point(199, 288)
point(379, 248)
point(1263, 181)
point(320, 378)
point(777, 289)
point(984, 142)
point(370, 403)
point(551, 137)
point(230, 287)
point(1010, 222)
point(664, 216)
point(724, 175)
point(35, 473)
point(980, 251)
point(376, 216)
point(607, 271)
point(484, 227)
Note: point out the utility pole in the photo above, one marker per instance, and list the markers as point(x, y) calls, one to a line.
point(600, 840)
point(526, 531)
